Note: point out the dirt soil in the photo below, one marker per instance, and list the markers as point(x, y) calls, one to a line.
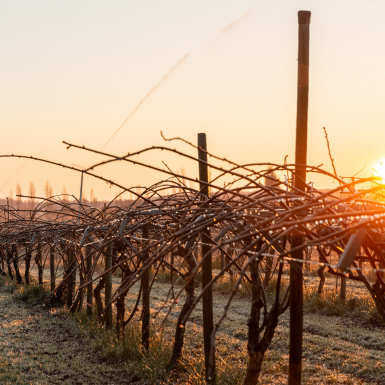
point(39, 347)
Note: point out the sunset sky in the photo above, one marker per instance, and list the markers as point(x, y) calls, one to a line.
point(75, 70)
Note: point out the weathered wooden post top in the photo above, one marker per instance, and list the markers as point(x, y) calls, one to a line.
point(302, 98)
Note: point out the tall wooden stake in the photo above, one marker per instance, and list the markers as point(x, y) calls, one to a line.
point(207, 300)
point(296, 276)
point(89, 286)
point(146, 294)
point(3, 261)
point(343, 288)
point(72, 278)
point(108, 287)
point(52, 267)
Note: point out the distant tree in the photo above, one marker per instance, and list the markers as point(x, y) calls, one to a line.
point(138, 189)
point(188, 183)
point(65, 194)
point(18, 199)
point(48, 190)
point(32, 192)
point(84, 197)
point(93, 198)
point(182, 172)
point(118, 199)
point(10, 197)
point(271, 178)
point(191, 184)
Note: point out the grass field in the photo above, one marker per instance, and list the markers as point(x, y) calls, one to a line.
point(344, 342)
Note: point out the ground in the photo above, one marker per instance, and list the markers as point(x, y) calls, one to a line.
point(39, 346)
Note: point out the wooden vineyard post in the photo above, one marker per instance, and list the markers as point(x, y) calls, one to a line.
point(27, 259)
point(52, 267)
point(207, 299)
point(145, 292)
point(296, 275)
point(72, 278)
point(38, 260)
point(2, 259)
point(360, 260)
point(89, 285)
point(16, 265)
point(343, 288)
point(222, 261)
point(108, 287)
point(171, 266)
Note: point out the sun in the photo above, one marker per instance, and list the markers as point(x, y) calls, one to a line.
point(379, 169)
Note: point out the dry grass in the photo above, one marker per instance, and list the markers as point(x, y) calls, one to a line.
point(151, 367)
point(223, 285)
point(41, 347)
point(343, 344)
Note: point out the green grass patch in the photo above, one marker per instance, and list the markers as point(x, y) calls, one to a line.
point(9, 374)
point(330, 303)
point(7, 284)
point(33, 294)
point(225, 285)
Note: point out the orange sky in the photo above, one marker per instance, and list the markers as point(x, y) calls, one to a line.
point(75, 70)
